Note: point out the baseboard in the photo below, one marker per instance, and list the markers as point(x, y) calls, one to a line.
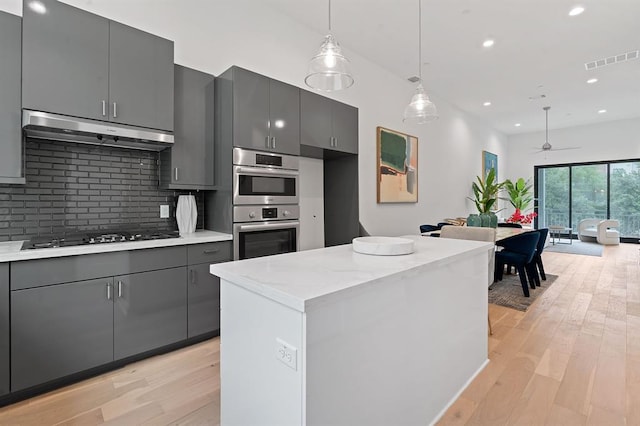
point(457, 395)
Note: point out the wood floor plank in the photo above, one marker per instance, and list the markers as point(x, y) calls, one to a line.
point(535, 402)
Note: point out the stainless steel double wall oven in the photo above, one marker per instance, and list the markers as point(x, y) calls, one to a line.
point(265, 203)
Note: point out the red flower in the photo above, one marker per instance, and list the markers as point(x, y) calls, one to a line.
point(518, 217)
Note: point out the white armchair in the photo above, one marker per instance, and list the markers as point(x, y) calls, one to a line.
point(606, 233)
point(588, 228)
point(600, 230)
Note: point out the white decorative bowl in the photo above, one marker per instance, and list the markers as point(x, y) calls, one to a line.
point(383, 246)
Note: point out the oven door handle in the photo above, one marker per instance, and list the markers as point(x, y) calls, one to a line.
point(273, 225)
point(265, 171)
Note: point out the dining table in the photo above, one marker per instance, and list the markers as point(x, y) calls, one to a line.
point(501, 233)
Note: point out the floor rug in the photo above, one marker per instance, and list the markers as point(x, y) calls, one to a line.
point(578, 247)
point(508, 292)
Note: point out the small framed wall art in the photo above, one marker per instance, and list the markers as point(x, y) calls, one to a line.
point(489, 161)
point(397, 167)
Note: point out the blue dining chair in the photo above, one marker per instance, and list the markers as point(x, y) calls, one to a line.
point(537, 266)
point(518, 251)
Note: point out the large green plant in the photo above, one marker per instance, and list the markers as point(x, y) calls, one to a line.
point(520, 195)
point(485, 191)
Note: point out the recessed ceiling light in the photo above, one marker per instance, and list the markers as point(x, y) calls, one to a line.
point(602, 111)
point(517, 124)
point(488, 42)
point(37, 7)
point(592, 80)
point(487, 103)
point(576, 11)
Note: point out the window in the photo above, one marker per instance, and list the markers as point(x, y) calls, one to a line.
point(566, 194)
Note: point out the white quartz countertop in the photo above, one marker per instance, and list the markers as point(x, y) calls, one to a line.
point(10, 251)
point(302, 279)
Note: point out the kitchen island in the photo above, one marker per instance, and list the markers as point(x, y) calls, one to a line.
point(331, 336)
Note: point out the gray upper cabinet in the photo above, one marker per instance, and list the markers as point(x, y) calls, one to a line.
point(188, 164)
point(140, 78)
point(150, 311)
point(80, 64)
point(328, 124)
point(266, 112)
point(60, 330)
point(11, 161)
point(65, 61)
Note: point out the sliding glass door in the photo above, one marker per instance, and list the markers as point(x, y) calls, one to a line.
point(553, 197)
point(625, 197)
point(588, 193)
point(568, 193)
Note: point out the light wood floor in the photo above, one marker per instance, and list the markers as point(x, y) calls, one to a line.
point(572, 359)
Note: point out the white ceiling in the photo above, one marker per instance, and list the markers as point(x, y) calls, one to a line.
point(538, 50)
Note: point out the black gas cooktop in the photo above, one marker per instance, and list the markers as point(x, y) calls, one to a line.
point(97, 237)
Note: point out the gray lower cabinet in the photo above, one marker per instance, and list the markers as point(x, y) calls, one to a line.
point(60, 330)
point(203, 291)
point(150, 311)
point(4, 328)
point(11, 150)
point(265, 113)
point(188, 164)
point(328, 124)
point(80, 64)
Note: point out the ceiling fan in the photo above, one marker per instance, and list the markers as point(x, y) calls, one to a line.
point(546, 146)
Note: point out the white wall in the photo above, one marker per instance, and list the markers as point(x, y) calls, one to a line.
point(213, 35)
point(613, 140)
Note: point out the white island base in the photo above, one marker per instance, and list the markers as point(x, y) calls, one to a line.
point(333, 337)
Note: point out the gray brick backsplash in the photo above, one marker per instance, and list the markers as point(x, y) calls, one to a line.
point(75, 188)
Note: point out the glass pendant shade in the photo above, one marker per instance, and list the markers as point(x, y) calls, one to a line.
point(329, 70)
point(420, 110)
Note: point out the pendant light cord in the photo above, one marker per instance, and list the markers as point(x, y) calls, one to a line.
point(546, 124)
point(419, 40)
point(329, 16)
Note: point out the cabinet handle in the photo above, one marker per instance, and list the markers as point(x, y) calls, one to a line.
point(335, 142)
point(266, 140)
point(119, 288)
point(176, 173)
point(273, 142)
point(191, 276)
point(115, 110)
point(104, 108)
point(210, 251)
point(108, 291)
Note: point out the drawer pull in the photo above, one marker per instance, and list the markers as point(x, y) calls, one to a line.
point(211, 251)
point(108, 291)
point(119, 288)
point(191, 276)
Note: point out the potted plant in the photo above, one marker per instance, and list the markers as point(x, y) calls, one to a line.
point(485, 192)
point(521, 198)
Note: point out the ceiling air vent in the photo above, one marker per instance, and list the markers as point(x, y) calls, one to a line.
point(612, 60)
point(414, 79)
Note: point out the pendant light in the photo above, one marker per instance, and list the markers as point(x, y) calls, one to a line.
point(329, 70)
point(420, 109)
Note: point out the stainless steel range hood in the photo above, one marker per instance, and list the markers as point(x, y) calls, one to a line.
point(44, 125)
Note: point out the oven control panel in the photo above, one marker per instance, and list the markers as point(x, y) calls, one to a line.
point(263, 213)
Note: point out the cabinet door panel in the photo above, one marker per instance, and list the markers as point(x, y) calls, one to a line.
point(192, 154)
point(345, 127)
point(10, 99)
point(250, 109)
point(315, 120)
point(60, 330)
point(4, 328)
point(65, 61)
point(284, 116)
point(204, 300)
point(150, 310)
point(140, 78)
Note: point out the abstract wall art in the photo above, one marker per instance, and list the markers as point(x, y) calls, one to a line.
point(397, 167)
